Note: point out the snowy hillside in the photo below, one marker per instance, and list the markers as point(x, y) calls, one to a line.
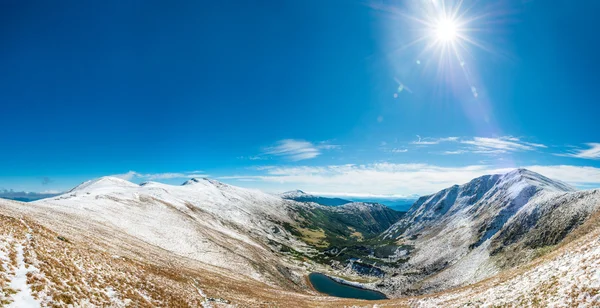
point(204, 220)
point(569, 276)
point(462, 234)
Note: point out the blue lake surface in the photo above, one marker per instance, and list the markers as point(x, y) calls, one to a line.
point(325, 284)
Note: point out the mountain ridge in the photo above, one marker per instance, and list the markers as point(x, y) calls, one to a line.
point(476, 217)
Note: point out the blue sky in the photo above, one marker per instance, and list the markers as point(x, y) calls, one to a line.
point(330, 96)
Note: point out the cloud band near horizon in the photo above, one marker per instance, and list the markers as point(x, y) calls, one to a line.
point(396, 179)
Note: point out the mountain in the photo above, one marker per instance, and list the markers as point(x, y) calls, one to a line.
point(466, 233)
point(211, 224)
point(300, 196)
point(202, 220)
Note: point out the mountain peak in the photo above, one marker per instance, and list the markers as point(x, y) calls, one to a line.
point(103, 182)
point(516, 188)
point(195, 181)
point(535, 179)
point(522, 172)
point(293, 194)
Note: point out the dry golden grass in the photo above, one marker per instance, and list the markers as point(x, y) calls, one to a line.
point(314, 237)
point(359, 236)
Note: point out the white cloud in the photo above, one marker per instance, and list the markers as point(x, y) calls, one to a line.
point(500, 145)
point(131, 175)
point(396, 179)
point(399, 150)
point(296, 150)
point(592, 153)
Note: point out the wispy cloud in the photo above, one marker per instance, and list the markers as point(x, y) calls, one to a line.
point(482, 145)
point(131, 175)
point(432, 141)
point(593, 152)
point(253, 157)
point(327, 145)
point(500, 145)
point(457, 152)
point(296, 150)
point(397, 179)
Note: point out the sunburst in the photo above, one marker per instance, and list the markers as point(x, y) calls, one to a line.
point(447, 29)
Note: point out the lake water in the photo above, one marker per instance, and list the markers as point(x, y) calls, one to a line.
point(324, 284)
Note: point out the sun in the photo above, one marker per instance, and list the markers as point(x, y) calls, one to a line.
point(446, 30)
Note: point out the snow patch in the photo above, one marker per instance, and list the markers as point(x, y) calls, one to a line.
point(23, 298)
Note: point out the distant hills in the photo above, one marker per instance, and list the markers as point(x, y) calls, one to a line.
point(300, 196)
point(24, 196)
point(397, 204)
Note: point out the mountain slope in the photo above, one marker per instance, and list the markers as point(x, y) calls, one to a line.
point(464, 233)
point(222, 226)
point(340, 224)
point(40, 267)
point(568, 276)
point(300, 196)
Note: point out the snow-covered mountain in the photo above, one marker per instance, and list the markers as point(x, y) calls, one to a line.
point(213, 223)
point(466, 233)
point(300, 196)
